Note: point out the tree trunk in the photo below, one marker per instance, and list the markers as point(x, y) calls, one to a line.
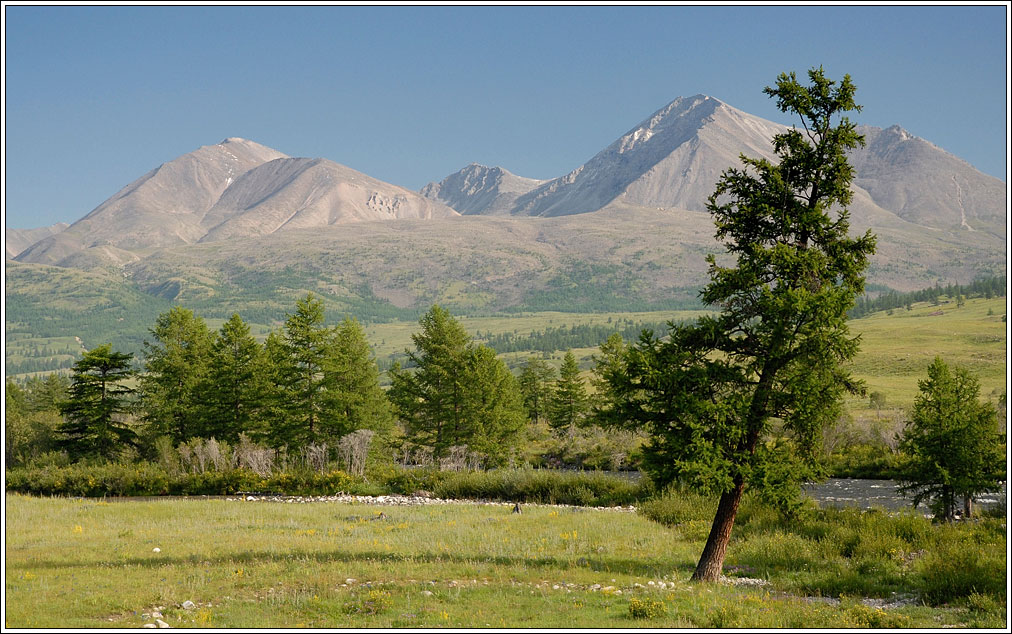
point(967, 507)
point(711, 562)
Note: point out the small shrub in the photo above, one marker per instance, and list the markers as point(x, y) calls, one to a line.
point(374, 602)
point(646, 609)
point(868, 617)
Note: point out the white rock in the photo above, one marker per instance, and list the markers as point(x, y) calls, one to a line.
point(188, 605)
point(426, 593)
point(150, 625)
point(156, 615)
point(162, 623)
point(156, 550)
point(349, 581)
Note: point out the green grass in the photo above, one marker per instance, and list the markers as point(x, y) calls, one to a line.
point(87, 563)
point(897, 349)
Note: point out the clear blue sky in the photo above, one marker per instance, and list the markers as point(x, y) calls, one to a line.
point(97, 96)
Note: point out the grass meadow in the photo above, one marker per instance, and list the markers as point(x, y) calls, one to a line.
point(73, 563)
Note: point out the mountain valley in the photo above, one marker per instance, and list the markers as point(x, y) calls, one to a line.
point(241, 227)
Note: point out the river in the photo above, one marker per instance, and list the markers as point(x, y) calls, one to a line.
point(883, 494)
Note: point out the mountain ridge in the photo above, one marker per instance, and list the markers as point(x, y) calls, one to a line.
point(674, 157)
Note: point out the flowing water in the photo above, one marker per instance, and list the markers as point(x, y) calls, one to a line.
point(882, 494)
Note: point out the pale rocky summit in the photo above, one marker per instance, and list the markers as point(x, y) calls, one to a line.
point(674, 158)
point(301, 193)
point(478, 189)
point(924, 184)
point(671, 159)
point(234, 189)
point(164, 207)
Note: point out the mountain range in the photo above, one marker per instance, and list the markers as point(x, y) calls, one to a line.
point(238, 225)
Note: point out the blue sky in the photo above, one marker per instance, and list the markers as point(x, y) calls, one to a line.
point(97, 96)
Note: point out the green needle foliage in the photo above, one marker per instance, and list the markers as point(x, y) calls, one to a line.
point(739, 398)
point(952, 442)
point(93, 413)
point(458, 393)
point(176, 364)
point(535, 381)
point(308, 343)
point(234, 391)
point(354, 378)
point(569, 404)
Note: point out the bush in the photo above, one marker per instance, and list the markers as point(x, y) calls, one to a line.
point(677, 506)
point(540, 486)
point(374, 602)
point(142, 479)
point(646, 609)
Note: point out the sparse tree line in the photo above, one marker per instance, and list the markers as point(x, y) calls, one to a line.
point(986, 287)
point(307, 387)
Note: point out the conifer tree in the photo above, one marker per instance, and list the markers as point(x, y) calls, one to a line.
point(569, 405)
point(97, 401)
point(430, 399)
point(234, 390)
point(535, 383)
point(740, 398)
point(458, 393)
point(494, 408)
point(354, 378)
point(952, 444)
point(175, 367)
point(275, 427)
point(308, 342)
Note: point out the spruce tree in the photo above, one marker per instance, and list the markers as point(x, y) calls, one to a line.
point(94, 410)
point(175, 367)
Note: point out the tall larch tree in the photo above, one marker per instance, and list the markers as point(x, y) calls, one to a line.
point(431, 398)
point(234, 390)
point(568, 405)
point(308, 342)
point(354, 378)
point(175, 367)
point(535, 383)
point(494, 408)
point(739, 398)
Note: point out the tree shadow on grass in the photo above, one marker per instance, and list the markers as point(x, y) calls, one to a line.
point(640, 568)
